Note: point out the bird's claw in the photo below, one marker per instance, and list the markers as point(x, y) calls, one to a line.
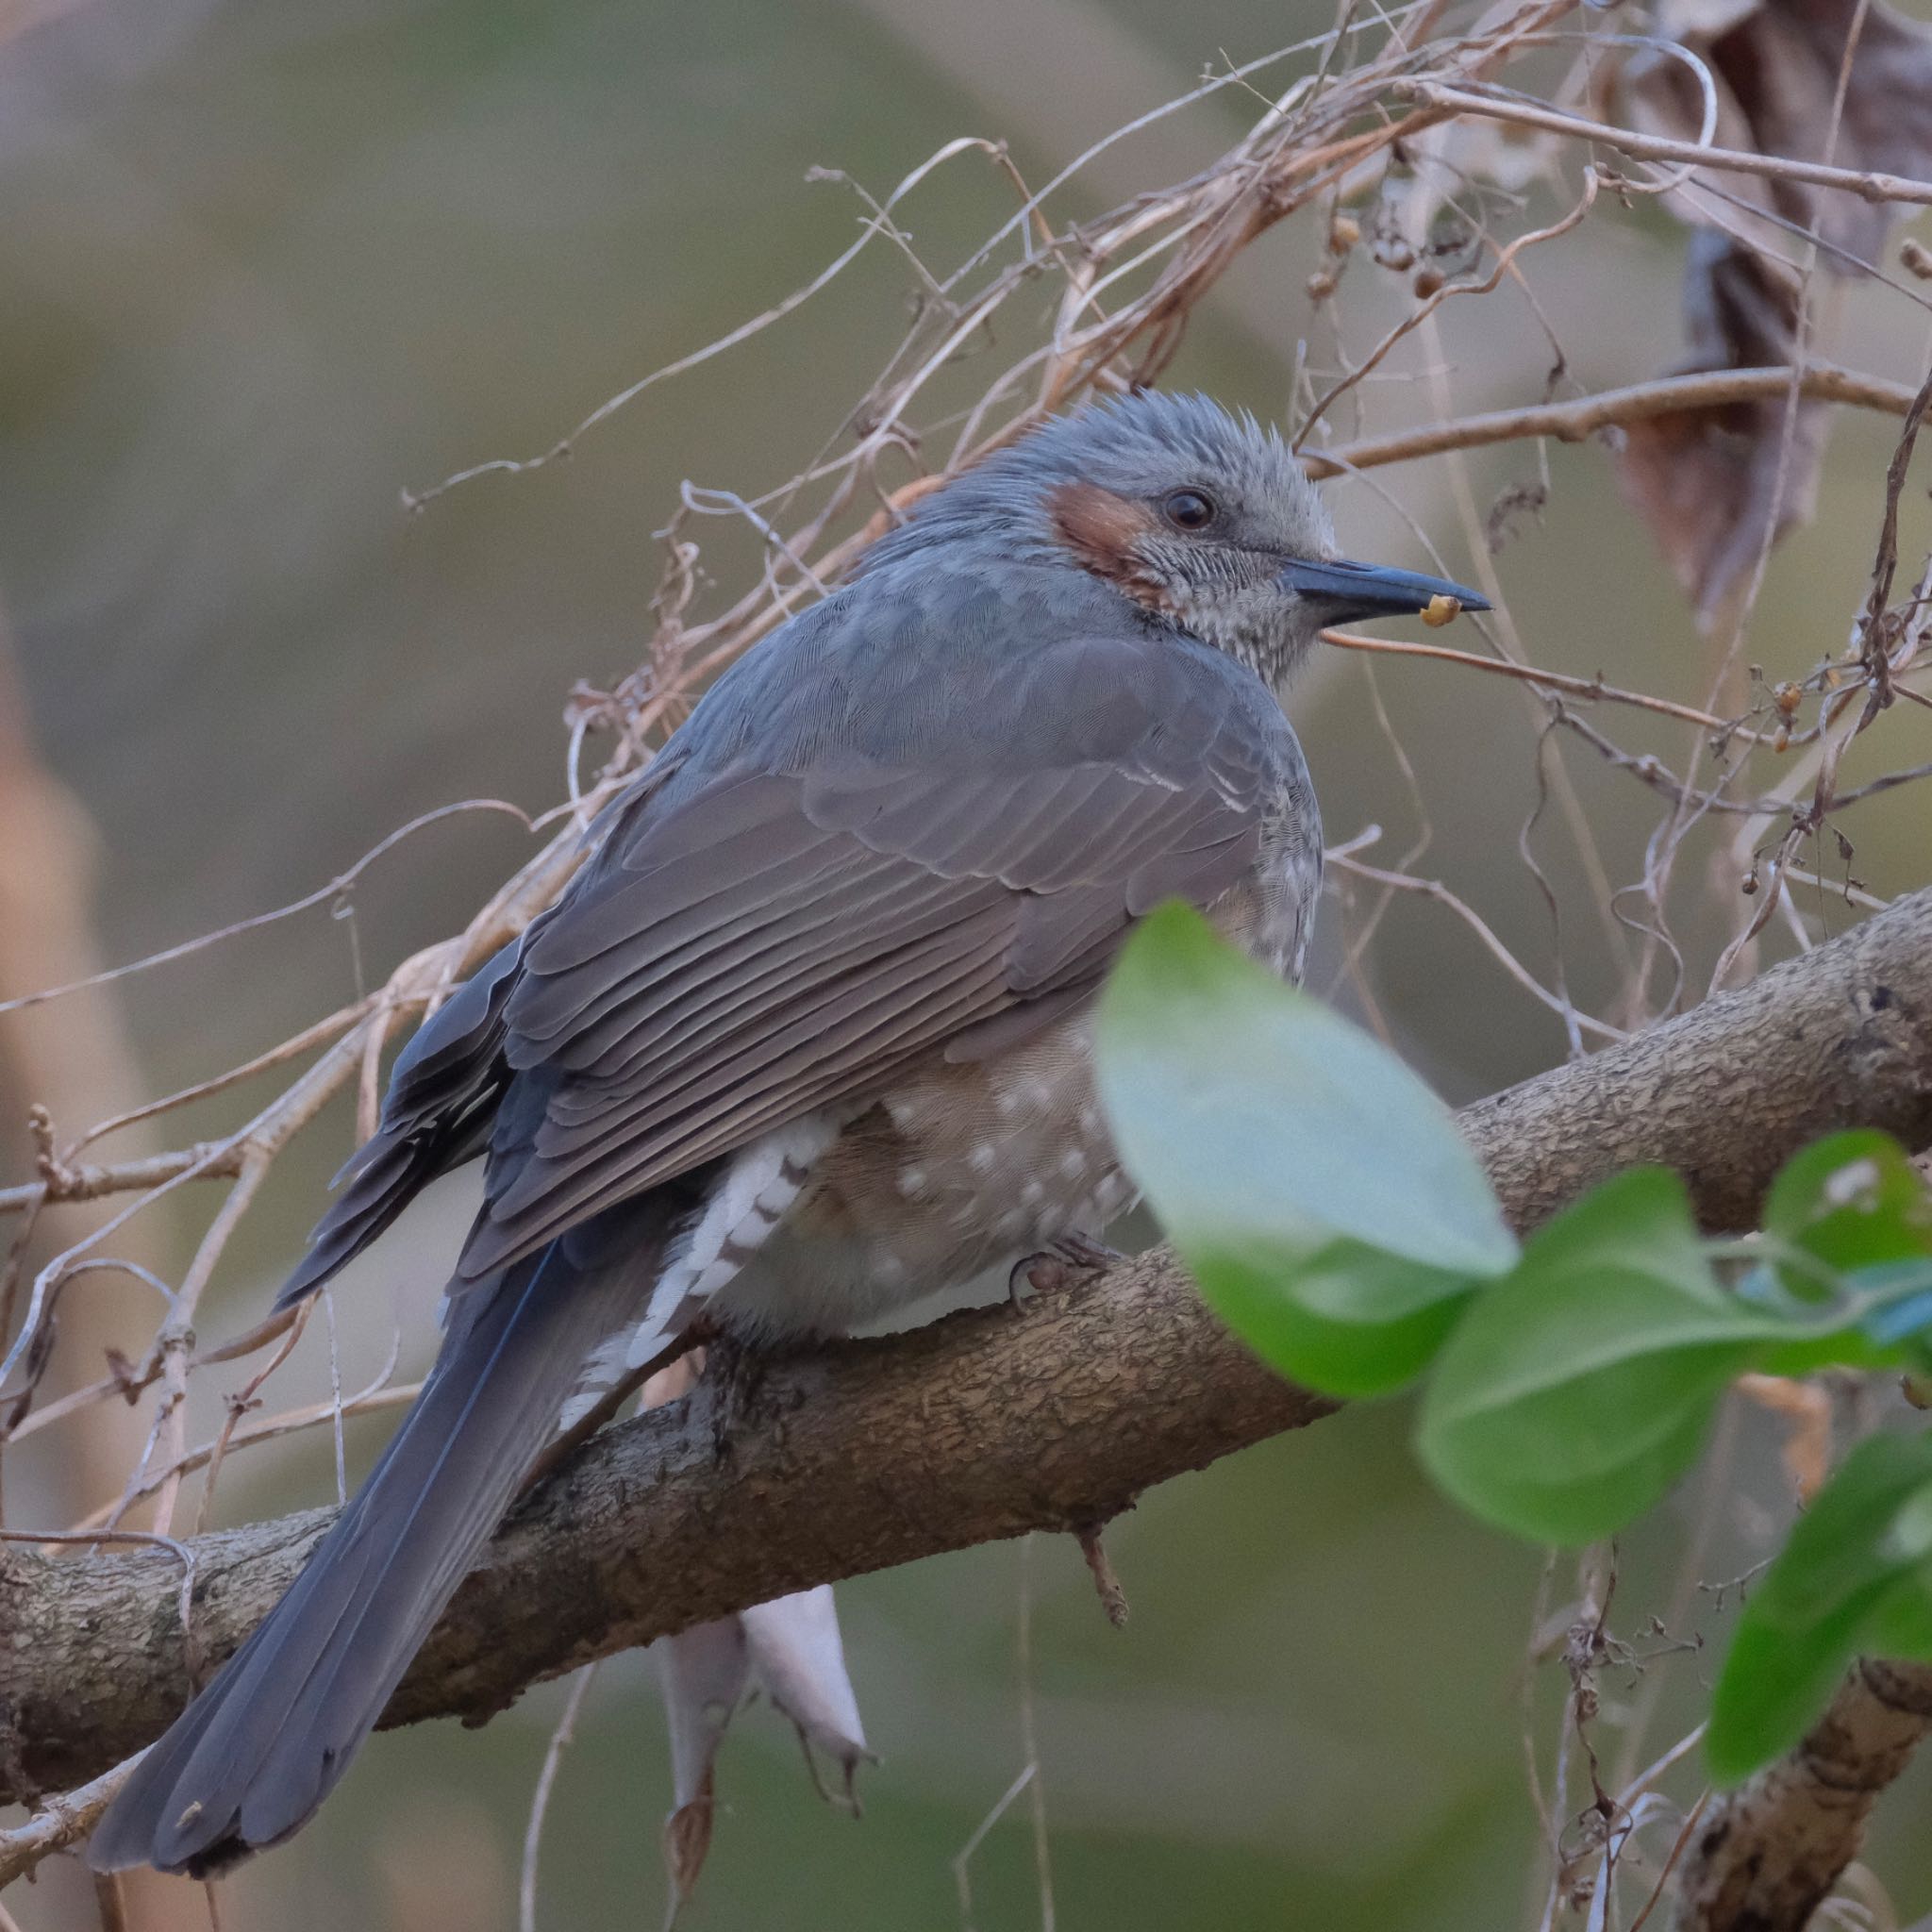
point(1058, 1266)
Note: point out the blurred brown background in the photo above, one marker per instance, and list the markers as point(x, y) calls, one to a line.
point(267, 266)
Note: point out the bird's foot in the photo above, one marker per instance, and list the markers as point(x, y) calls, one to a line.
point(1060, 1265)
point(734, 1373)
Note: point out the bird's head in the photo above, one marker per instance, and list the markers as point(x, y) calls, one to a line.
point(1196, 516)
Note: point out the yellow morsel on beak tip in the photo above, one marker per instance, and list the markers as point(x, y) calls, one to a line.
point(1441, 610)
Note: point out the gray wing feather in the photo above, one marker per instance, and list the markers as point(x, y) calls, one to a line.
point(772, 941)
point(834, 1035)
point(435, 1116)
point(781, 919)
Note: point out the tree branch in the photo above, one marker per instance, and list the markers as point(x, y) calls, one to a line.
point(1766, 1855)
point(864, 1455)
point(1641, 402)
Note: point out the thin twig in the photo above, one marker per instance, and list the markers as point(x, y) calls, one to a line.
point(1435, 889)
point(1641, 402)
point(1593, 689)
point(1866, 185)
point(561, 1740)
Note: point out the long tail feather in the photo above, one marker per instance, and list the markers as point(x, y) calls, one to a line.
point(264, 1742)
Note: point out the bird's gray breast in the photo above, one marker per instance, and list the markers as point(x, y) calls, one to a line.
point(1287, 883)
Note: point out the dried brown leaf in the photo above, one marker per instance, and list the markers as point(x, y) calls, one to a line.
point(1776, 66)
point(1708, 483)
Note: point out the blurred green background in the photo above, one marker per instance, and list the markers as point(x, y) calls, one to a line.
point(268, 266)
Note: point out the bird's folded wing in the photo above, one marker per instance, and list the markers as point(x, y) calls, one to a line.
point(769, 942)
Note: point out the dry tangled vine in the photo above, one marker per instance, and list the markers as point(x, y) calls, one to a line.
point(1403, 138)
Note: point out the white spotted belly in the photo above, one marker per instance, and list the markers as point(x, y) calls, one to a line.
point(958, 1170)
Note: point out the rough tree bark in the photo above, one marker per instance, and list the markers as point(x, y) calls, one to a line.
point(1766, 1854)
point(987, 1425)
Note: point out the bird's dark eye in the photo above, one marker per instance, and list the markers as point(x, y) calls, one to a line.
point(1188, 510)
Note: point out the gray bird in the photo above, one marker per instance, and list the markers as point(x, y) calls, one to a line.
point(808, 1036)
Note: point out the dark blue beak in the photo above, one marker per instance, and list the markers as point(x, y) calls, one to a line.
point(1366, 590)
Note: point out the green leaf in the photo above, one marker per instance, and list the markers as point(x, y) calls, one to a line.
point(1851, 1201)
point(1855, 1219)
point(1881, 1321)
point(1852, 1577)
point(1901, 1621)
point(1244, 1105)
point(1897, 1323)
point(1575, 1393)
point(1316, 1188)
point(1347, 1318)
